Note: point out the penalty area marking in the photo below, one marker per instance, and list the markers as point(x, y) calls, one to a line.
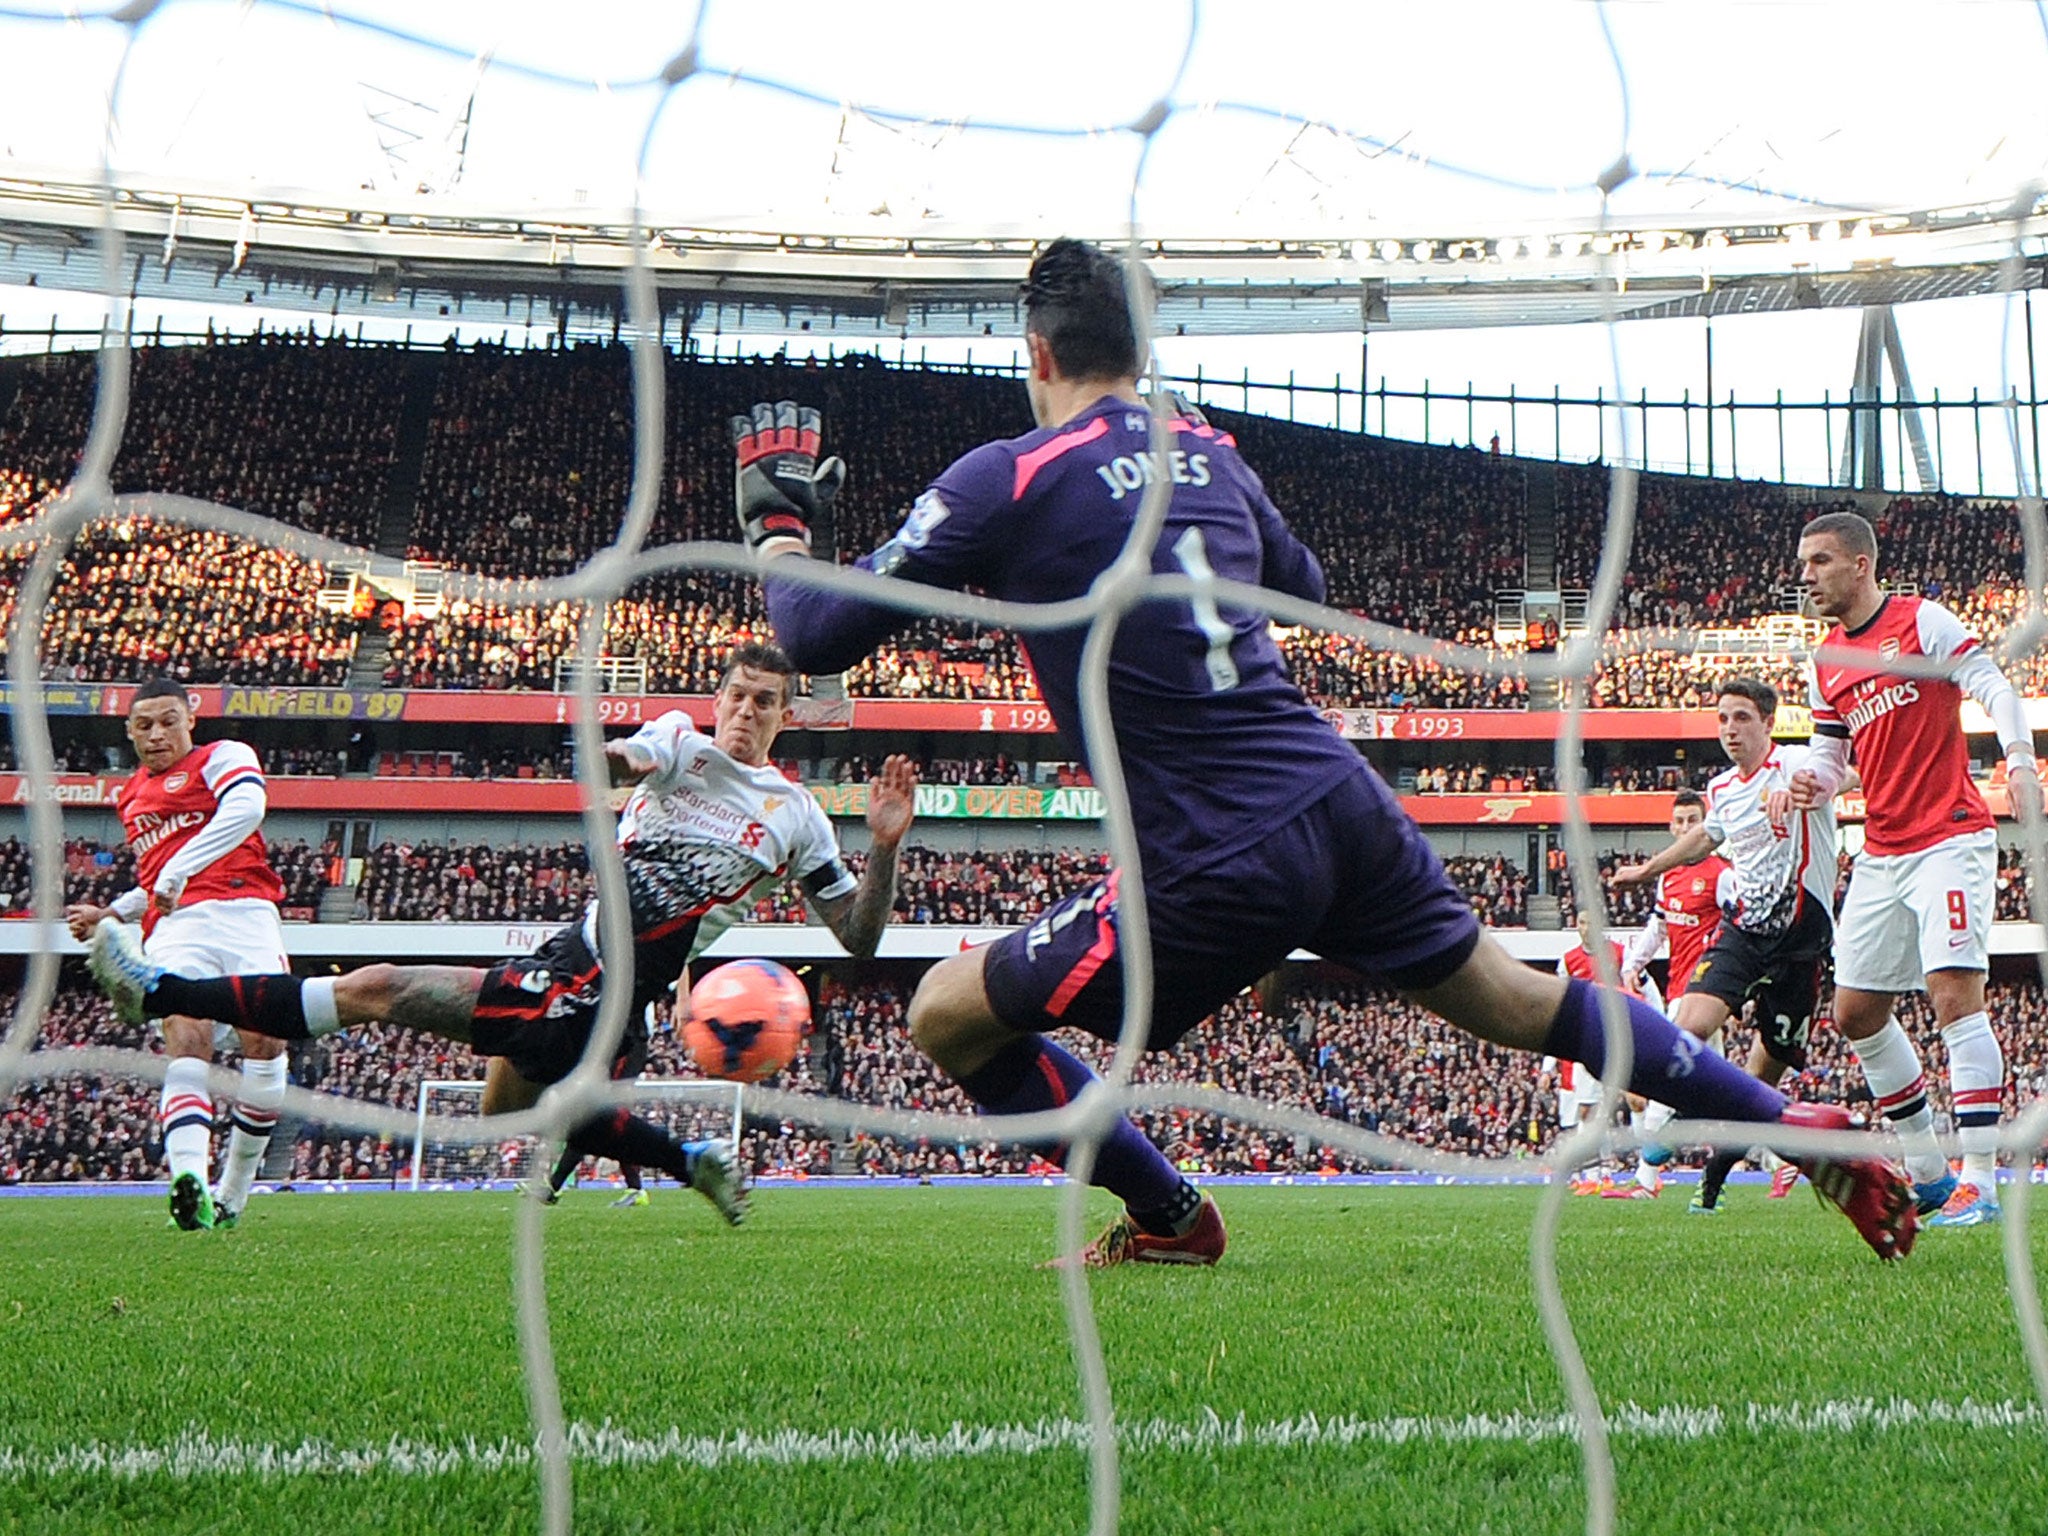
point(198, 1454)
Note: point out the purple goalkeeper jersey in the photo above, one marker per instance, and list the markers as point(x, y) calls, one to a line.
point(1217, 744)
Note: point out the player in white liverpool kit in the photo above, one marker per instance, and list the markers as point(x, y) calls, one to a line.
point(1774, 934)
point(709, 821)
point(206, 899)
point(1918, 910)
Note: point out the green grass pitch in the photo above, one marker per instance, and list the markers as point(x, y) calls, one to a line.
point(362, 1350)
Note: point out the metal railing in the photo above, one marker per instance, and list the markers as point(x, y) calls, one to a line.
point(615, 674)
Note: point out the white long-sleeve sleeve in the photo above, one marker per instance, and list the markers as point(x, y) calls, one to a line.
point(1979, 676)
point(130, 905)
point(657, 746)
point(1642, 949)
point(1827, 758)
point(239, 812)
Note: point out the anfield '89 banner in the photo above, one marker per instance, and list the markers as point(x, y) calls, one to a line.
point(1006, 802)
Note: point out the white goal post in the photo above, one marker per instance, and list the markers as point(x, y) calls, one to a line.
point(689, 1108)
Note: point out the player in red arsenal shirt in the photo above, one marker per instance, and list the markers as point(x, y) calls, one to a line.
point(1918, 910)
point(1577, 1089)
point(1689, 901)
point(206, 897)
point(1686, 918)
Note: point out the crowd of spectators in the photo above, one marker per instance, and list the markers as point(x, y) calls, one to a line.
point(1498, 888)
point(95, 873)
point(527, 471)
point(137, 599)
point(1355, 1056)
point(288, 426)
point(69, 756)
point(459, 881)
point(997, 770)
point(1475, 778)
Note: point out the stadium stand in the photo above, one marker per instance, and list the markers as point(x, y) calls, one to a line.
point(1416, 536)
point(458, 881)
point(1337, 1050)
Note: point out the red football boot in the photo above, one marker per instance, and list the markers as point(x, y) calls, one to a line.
point(1875, 1196)
point(1125, 1242)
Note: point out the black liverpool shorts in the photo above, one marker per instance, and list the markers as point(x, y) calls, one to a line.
point(537, 1012)
point(1780, 973)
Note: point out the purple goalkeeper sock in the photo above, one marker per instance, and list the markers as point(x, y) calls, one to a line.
point(1670, 1065)
point(1033, 1074)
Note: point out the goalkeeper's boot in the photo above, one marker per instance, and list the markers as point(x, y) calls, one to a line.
point(539, 1189)
point(1698, 1206)
point(1930, 1197)
point(629, 1199)
point(1875, 1195)
point(715, 1174)
point(191, 1203)
point(1967, 1207)
point(225, 1220)
point(1123, 1241)
point(123, 972)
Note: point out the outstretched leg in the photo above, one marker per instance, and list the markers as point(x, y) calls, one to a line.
point(1012, 1072)
point(1498, 998)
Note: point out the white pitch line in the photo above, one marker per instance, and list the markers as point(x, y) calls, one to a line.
point(199, 1454)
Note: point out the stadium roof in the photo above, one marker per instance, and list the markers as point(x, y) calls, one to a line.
point(372, 254)
point(887, 168)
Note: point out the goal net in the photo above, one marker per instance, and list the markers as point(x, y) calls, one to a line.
point(444, 1157)
point(1599, 209)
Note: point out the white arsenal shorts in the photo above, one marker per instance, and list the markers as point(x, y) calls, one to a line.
point(237, 937)
point(1910, 913)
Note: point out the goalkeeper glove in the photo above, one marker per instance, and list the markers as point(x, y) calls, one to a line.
point(782, 491)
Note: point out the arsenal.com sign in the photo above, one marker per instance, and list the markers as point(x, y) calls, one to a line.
point(68, 790)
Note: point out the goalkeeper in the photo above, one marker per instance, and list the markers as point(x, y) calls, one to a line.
point(710, 820)
point(1261, 829)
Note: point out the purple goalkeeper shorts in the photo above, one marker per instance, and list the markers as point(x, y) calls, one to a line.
point(1351, 878)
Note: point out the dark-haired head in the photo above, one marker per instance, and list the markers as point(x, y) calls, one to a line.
point(752, 703)
point(1760, 694)
point(158, 688)
point(1076, 302)
point(1688, 810)
point(160, 723)
point(761, 656)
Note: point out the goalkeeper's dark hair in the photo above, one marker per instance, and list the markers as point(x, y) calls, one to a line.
point(1075, 298)
point(760, 656)
point(160, 688)
point(1754, 689)
point(1686, 797)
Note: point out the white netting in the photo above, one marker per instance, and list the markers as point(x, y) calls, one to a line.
point(687, 1108)
point(90, 497)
